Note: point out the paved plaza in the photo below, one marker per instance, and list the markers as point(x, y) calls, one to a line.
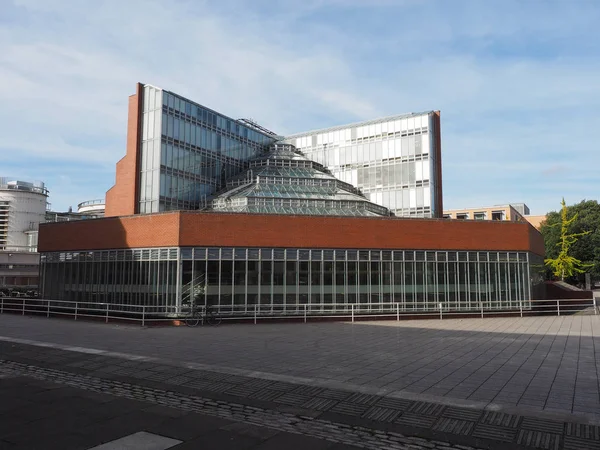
point(485, 383)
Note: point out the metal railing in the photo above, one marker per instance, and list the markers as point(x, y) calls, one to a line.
point(144, 314)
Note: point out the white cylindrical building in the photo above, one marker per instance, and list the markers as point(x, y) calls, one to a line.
point(92, 208)
point(22, 209)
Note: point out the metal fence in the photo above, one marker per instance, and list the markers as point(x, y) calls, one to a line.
point(146, 315)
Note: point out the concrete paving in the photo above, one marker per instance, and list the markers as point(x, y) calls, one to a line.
point(41, 415)
point(49, 400)
point(549, 364)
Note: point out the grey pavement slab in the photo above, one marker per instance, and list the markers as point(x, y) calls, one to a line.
point(536, 363)
point(546, 366)
point(149, 424)
point(141, 440)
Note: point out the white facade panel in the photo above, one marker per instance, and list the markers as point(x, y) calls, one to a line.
point(419, 170)
point(425, 144)
point(412, 197)
point(426, 174)
point(385, 152)
point(427, 196)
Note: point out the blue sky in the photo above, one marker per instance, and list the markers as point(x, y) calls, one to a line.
point(517, 82)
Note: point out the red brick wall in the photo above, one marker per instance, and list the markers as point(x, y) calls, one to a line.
point(254, 230)
point(536, 241)
point(148, 230)
point(122, 198)
point(342, 232)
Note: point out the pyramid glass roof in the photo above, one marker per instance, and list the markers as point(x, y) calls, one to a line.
point(283, 181)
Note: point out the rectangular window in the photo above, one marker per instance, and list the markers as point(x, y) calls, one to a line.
point(479, 216)
point(176, 128)
point(291, 270)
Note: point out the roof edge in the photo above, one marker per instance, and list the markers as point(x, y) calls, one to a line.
point(355, 124)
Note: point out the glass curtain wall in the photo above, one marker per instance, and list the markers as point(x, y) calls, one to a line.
point(390, 160)
point(118, 277)
point(188, 151)
point(275, 280)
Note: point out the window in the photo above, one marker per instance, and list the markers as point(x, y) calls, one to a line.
point(497, 215)
point(479, 216)
point(463, 216)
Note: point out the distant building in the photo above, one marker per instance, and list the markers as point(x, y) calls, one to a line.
point(19, 270)
point(536, 221)
point(23, 206)
point(91, 208)
point(22, 209)
point(514, 212)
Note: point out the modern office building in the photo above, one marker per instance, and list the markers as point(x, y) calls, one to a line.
point(514, 212)
point(396, 161)
point(179, 153)
point(226, 212)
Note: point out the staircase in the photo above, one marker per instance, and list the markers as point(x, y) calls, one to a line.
point(194, 287)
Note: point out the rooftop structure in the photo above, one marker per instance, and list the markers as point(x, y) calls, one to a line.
point(283, 181)
point(92, 208)
point(512, 212)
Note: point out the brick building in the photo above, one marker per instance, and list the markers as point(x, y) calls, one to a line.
point(227, 213)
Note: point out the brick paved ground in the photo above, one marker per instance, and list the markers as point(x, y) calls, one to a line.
point(485, 383)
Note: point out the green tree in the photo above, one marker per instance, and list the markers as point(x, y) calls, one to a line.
point(562, 234)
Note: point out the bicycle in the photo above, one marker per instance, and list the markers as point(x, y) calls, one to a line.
point(202, 313)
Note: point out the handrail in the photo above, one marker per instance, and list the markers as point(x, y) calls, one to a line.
point(305, 311)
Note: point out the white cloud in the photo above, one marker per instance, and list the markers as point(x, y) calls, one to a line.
point(67, 68)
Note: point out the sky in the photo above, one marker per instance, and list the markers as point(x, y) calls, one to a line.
point(517, 83)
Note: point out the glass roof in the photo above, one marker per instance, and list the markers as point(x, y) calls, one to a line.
point(283, 181)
